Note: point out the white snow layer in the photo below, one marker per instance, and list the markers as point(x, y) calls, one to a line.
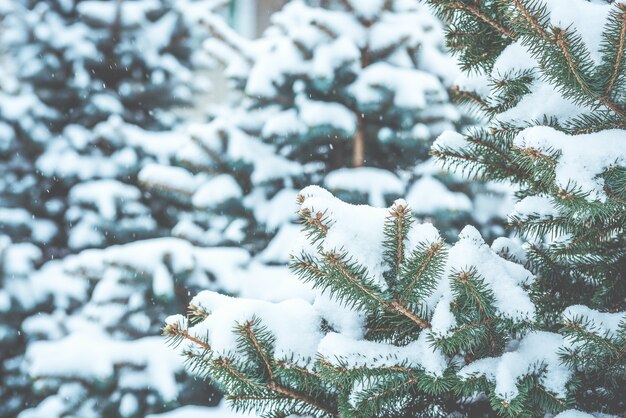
point(588, 18)
point(296, 323)
point(537, 349)
point(357, 229)
point(578, 163)
point(340, 349)
point(367, 9)
point(428, 196)
point(601, 323)
point(103, 354)
point(572, 413)
point(104, 194)
point(412, 89)
point(374, 182)
point(216, 191)
point(192, 411)
point(539, 206)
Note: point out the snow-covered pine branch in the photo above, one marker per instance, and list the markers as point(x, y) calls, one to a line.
point(399, 319)
point(549, 74)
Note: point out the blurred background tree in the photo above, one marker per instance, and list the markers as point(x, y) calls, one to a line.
point(115, 208)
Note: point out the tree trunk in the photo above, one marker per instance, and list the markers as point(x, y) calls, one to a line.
point(116, 29)
point(358, 143)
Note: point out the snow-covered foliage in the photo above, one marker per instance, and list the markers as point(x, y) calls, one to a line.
point(549, 74)
point(87, 97)
point(108, 307)
point(325, 96)
point(89, 83)
point(397, 317)
point(115, 211)
point(401, 322)
point(104, 345)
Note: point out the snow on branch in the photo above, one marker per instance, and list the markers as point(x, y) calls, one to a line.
point(412, 299)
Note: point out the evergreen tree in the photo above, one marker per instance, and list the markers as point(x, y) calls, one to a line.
point(551, 76)
point(88, 97)
point(85, 69)
point(401, 325)
point(405, 325)
point(110, 302)
point(351, 97)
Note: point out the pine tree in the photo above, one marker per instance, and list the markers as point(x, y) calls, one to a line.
point(552, 81)
point(128, 371)
point(349, 98)
point(95, 79)
point(88, 97)
point(403, 324)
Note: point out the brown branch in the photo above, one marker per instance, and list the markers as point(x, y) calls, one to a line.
point(457, 93)
point(400, 308)
point(463, 277)
point(620, 50)
point(273, 385)
point(291, 366)
point(325, 29)
point(531, 19)
point(310, 267)
point(247, 331)
point(187, 336)
point(302, 398)
point(195, 312)
point(562, 45)
point(432, 252)
point(570, 62)
point(226, 363)
point(398, 213)
point(314, 220)
point(333, 259)
point(358, 142)
point(475, 10)
point(394, 306)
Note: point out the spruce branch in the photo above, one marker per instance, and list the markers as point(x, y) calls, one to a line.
point(248, 333)
point(402, 309)
point(619, 53)
point(464, 96)
point(316, 221)
point(396, 228)
point(425, 265)
point(578, 330)
point(399, 214)
point(257, 341)
point(338, 262)
point(473, 292)
point(176, 334)
point(226, 365)
point(389, 390)
point(355, 277)
point(578, 67)
point(474, 10)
